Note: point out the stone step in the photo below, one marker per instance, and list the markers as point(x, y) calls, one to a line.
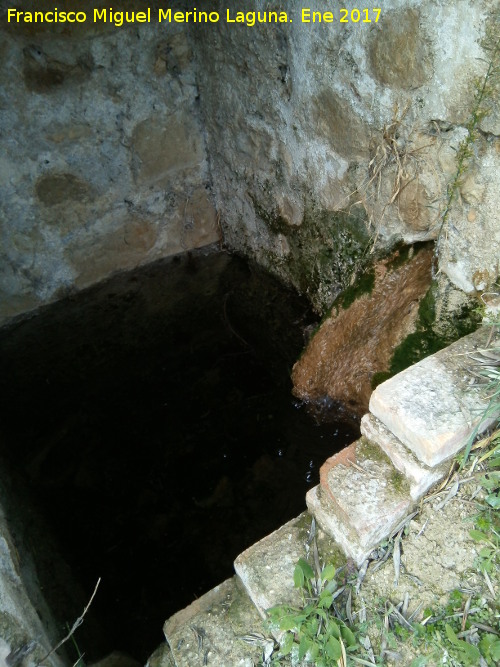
point(209, 631)
point(266, 568)
point(419, 419)
point(361, 498)
point(433, 406)
point(162, 657)
point(420, 476)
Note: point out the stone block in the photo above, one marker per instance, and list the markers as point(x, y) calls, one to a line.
point(433, 406)
point(266, 568)
point(336, 120)
point(165, 145)
point(53, 189)
point(96, 255)
point(162, 657)
point(200, 226)
point(209, 631)
point(399, 54)
point(361, 498)
point(420, 476)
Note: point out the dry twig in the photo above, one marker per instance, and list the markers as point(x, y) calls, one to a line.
point(75, 625)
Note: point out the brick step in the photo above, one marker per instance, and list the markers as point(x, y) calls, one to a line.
point(361, 498)
point(266, 568)
point(420, 477)
point(209, 631)
point(418, 420)
point(433, 406)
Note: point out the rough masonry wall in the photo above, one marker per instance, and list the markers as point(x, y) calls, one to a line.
point(326, 138)
point(103, 163)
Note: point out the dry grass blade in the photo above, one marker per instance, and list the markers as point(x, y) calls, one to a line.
point(489, 584)
point(401, 619)
point(343, 660)
point(453, 490)
point(348, 608)
point(75, 625)
point(406, 602)
point(396, 557)
point(361, 574)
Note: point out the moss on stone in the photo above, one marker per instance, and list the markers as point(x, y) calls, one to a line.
point(380, 377)
point(363, 285)
point(369, 450)
point(10, 629)
point(326, 251)
point(427, 337)
point(398, 482)
point(275, 222)
point(403, 253)
point(329, 550)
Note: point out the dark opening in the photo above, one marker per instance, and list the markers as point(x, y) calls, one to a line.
point(153, 423)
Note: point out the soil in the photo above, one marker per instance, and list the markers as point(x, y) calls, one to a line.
point(437, 557)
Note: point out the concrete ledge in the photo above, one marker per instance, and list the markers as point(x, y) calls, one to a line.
point(361, 498)
point(433, 406)
point(209, 631)
point(420, 476)
point(266, 568)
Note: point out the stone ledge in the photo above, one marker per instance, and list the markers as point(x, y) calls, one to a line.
point(162, 657)
point(321, 506)
point(209, 630)
point(361, 498)
point(420, 476)
point(433, 406)
point(266, 568)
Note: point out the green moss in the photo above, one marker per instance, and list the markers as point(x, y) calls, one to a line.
point(398, 482)
point(403, 253)
point(326, 252)
point(380, 377)
point(427, 339)
point(369, 450)
point(363, 285)
point(329, 550)
point(276, 223)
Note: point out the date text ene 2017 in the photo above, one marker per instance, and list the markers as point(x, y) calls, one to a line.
point(354, 16)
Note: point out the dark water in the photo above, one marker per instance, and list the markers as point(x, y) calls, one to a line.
point(153, 422)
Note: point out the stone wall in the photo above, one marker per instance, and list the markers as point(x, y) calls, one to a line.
point(328, 138)
point(324, 141)
point(103, 164)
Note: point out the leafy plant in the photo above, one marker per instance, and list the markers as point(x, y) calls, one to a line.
point(487, 370)
point(314, 634)
point(485, 90)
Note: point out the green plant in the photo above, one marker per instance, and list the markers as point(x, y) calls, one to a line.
point(487, 531)
point(314, 634)
point(464, 632)
point(487, 370)
point(485, 90)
